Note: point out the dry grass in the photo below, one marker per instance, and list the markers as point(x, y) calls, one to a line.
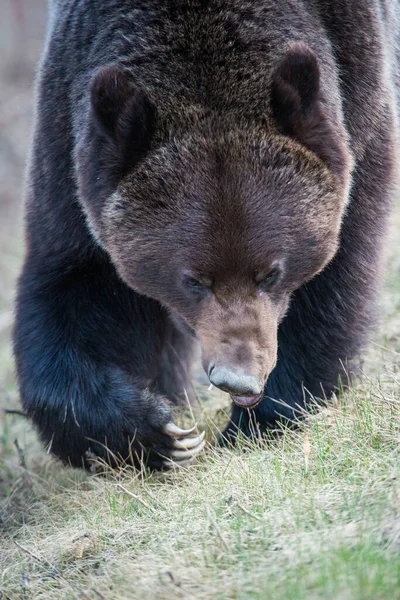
point(315, 514)
point(312, 515)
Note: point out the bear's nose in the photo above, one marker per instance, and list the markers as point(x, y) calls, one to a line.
point(236, 383)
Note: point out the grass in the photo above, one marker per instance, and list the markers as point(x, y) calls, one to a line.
point(312, 515)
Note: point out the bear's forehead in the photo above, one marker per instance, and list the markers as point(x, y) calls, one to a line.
point(192, 60)
point(231, 178)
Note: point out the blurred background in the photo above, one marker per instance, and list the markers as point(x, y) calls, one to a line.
point(22, 28)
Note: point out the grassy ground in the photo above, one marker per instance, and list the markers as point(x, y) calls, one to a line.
point(315, 514)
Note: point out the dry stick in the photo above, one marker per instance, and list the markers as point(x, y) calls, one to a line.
point(142, 502)
point(217, 529)
point(44, 560)
point(386, 349)
point(26, 478)
point(21, 455)
point(247, 512)
point(12, 411)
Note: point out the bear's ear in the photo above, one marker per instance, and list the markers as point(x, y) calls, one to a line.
point(296, 106)
point(122, 115)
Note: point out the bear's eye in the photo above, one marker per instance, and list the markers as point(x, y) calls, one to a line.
point(194, 285)
point(267, 283)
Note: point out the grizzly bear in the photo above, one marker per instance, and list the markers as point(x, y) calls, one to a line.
point(211, 172)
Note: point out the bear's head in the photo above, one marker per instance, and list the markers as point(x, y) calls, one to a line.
point(219, 224)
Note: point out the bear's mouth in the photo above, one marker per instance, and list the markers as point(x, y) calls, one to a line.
point(247, 401)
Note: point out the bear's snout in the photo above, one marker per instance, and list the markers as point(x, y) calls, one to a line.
point(239, 347)
point(245, 389)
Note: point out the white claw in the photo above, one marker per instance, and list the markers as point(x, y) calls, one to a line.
point(187, 443)
point(175, 431)
point(181, 454)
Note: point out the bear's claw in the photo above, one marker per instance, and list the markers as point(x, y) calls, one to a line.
point(183, 454)
point(175, 431)
point(187, 443)
point(186, 448)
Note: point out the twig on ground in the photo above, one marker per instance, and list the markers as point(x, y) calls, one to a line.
point(14, 411)
point(21, 454)
point(142, 502)
point(247, 512)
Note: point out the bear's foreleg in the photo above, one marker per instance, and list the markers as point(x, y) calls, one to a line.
point(87, 348)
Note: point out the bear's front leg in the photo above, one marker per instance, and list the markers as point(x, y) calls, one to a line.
point(87, 349)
